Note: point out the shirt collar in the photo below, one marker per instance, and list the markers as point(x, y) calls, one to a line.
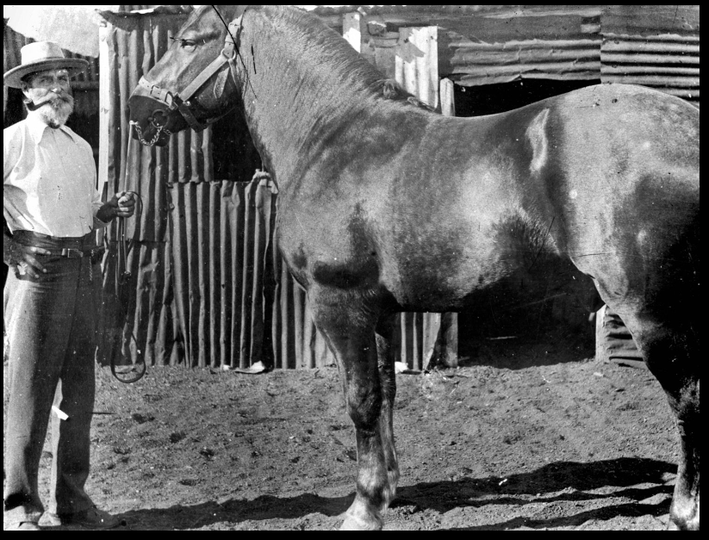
point(37, 127)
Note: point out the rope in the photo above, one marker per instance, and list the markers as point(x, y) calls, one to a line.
point(123, 279)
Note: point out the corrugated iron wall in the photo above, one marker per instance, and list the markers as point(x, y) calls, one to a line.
point(194, 251)
point(218, 241)
point(297, 343)
point(658, 47)
point(669, 63)
point(501, 50)
point(494, 63)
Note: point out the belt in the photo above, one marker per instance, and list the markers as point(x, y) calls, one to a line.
point(73, 253)
point(71, 247)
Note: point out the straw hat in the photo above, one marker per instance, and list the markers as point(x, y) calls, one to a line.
point(42, 56)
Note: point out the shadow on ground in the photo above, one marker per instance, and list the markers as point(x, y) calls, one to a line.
point(447, 495)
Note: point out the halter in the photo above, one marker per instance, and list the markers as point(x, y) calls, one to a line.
point(180, 101)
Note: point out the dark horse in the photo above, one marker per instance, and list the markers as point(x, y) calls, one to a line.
point(385, 206)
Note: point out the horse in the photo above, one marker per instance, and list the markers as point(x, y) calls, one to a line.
point(386, 206)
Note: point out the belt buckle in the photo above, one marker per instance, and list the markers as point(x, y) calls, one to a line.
point(72, 253)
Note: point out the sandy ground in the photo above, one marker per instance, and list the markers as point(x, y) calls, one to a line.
point(528, 436)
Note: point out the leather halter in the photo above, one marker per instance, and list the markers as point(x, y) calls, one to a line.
point(180, 101)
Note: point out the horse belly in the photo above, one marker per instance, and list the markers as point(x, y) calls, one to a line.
point(465, 264)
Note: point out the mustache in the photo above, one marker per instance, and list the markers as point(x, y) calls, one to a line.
point(53, 100)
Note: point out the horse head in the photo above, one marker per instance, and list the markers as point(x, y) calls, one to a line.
point(194, 83)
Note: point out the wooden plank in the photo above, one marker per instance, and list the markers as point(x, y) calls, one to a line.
point(416, 63)
point(447, 97)
point(352, 30)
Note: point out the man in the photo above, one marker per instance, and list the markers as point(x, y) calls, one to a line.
point(51, 208)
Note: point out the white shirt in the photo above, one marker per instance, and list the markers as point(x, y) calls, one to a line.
point(49, 180)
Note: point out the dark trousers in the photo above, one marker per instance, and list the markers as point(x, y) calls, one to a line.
point(51, 329)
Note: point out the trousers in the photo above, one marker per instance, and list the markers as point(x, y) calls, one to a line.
point(51, 331)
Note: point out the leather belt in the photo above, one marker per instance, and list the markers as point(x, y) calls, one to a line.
point(68, 247)
point(73, 253)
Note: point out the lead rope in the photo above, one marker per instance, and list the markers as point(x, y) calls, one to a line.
point(123, 280)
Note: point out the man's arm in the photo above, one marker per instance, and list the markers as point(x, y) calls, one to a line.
point(122, 204)
point(19, 258)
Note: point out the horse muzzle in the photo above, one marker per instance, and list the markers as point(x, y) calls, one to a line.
point(152, 121)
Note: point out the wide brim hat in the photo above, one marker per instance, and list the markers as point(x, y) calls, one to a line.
point(42, 56)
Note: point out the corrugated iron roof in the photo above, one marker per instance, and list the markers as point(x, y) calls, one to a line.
point(498, 10)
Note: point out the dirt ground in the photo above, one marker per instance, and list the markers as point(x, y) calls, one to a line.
point(527, 436)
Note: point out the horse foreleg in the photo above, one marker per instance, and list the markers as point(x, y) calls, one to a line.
point(349, 330)
point(387, 377)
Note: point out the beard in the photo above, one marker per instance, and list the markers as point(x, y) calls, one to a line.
point(57, 111)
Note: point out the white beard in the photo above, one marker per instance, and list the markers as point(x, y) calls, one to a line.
point(57, 112)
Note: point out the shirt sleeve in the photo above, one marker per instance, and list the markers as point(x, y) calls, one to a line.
point(11, 150)
point(98, 224)
point(96, 202)
point(12, 143)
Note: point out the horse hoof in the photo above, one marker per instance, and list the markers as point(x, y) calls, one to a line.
point(688, 525)
point(355, 523)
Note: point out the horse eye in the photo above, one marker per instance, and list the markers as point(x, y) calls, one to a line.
point(187, 44)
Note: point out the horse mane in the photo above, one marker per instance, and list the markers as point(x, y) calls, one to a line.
point(346, 66)
point(391, 89)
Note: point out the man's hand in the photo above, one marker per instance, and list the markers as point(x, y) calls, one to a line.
point(125, 203)
point(122, 204)
point(21, 259)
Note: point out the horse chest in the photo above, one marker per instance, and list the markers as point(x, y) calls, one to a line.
point(329, 247)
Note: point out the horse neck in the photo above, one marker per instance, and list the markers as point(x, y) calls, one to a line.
point(293, 92)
